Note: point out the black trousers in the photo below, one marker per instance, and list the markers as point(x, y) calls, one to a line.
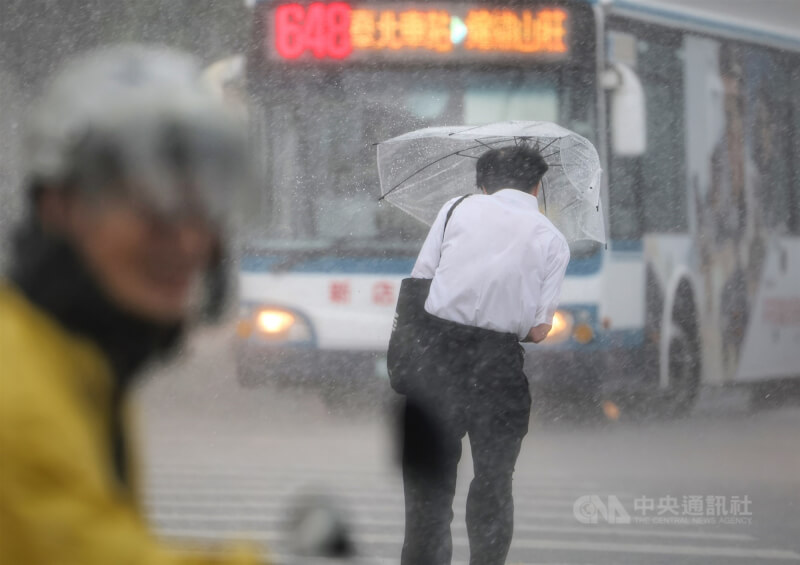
point(473, 384)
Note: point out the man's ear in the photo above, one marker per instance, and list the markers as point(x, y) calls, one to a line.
point(535, 190)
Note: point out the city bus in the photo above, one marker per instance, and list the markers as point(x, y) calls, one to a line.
point(698, 128)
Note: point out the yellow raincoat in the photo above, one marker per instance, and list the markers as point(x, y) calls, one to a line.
point(60, 500)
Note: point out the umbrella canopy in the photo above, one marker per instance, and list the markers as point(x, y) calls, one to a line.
point(421, 170)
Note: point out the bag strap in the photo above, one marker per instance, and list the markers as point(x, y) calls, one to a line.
point(451, 210)
point(447, 219)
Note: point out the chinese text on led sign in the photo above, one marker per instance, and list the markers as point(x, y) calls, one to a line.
point(336, 31)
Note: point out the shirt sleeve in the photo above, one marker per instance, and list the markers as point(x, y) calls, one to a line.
point(431, 252)
point(557, 261)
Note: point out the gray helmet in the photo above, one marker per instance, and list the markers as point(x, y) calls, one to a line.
point(140, 119)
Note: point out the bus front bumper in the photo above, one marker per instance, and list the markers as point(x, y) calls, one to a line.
point(307, 366)
point(608, 371)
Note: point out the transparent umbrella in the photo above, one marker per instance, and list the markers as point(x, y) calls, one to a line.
point(421, 170)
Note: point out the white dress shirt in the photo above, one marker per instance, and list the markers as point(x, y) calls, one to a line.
point(500, 266)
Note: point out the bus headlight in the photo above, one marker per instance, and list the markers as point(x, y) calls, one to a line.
point(562, 327)
point(276, 324)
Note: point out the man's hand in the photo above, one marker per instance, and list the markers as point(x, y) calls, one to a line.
point(539, 333)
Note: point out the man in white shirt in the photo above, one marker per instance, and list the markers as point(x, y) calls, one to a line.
point(497, 267)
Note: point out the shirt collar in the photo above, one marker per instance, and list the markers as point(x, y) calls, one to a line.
point(517, 197)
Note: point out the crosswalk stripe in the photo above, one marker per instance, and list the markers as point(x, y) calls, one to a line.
point(188, 507)
point(541, 544)
point(685, 550)
point(274, 522)
point(209, 504)
point(642, 532)
point(389, 487)
point(270, 499)
point(391, 490)
point(177, 478)
point(200, 474)
point(375, 515)
point(287, 558)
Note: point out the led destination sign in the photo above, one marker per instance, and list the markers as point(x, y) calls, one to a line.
point(341, 31)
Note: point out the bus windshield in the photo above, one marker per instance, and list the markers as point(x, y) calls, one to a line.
point(318, 150)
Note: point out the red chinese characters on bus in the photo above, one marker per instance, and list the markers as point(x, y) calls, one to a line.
point(340, 292)
point(383, 294)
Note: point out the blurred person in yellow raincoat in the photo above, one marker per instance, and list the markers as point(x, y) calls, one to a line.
point(132, 164)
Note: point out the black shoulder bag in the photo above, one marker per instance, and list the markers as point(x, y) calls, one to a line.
point(409, 332)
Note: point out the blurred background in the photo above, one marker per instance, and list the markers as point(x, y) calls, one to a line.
point(673, 371)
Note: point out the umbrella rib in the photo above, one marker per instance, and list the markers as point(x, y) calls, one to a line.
point(548, 145)
point(415, 173)
point(467, 156)
point(482, 144)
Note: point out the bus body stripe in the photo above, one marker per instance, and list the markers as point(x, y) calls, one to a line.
point(401, 266)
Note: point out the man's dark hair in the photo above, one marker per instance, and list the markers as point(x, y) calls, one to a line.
point(520, 167)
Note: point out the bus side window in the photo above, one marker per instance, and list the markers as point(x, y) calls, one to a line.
point(625, 211)
point(648, 192)
point(772, 138)
point(794, 148)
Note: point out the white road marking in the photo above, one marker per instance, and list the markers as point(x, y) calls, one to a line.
point(620, 531)
point(559, 545)
point(191, 507)
point(244, 469)
point(225, 505)
point(389, 516)
point(212, 475)
point(372, 499)
point(625, 531)
point(685, 550)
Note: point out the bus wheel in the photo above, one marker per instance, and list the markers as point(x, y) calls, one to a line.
point(684, 376)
